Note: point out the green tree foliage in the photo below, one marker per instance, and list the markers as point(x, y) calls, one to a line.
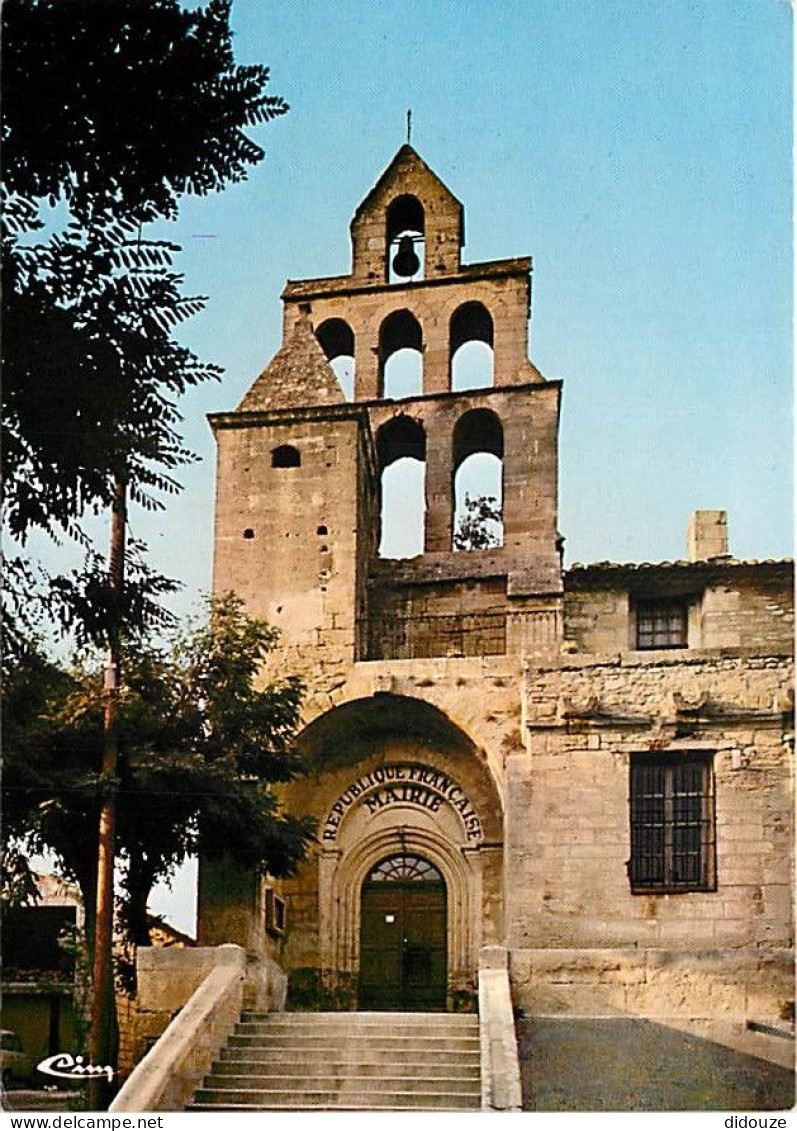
point(92, 373)
point(479, 525)
point(125, 106)
point(113, 111)
point(201, 748)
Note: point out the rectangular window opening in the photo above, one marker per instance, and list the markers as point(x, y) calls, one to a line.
point(661, 624)
point(672, 824)
point(275, 912)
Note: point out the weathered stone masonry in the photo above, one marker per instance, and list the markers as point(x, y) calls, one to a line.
point(537, 693)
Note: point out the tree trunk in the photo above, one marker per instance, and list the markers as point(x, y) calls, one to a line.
point(101, 1040)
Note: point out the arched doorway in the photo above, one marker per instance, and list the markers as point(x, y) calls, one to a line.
point(403, 940)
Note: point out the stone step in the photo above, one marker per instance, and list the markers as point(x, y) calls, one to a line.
point(383, 1042)
point(266, 1099)
point(219, 1107)
point(347, 1062)
point(309, 1029)
point(365, 1017)
point(353, 1084)
point(267, 1054)
point(291, 1069)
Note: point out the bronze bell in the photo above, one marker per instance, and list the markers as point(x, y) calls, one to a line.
point(406, 262)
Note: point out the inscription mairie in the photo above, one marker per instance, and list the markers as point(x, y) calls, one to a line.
point(404, 783)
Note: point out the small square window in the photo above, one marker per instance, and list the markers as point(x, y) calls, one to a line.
point(661, 624)
point(274, 912)
point(672, 823)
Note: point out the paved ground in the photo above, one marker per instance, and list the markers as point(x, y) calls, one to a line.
point(33, 1099)
point(632, 1065)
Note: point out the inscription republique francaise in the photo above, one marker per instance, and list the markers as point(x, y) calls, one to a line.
point(404, 783)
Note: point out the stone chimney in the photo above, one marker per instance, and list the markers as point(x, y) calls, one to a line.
point(707, 536)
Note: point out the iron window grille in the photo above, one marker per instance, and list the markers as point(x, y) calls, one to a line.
point(405, 867)
point(672, 824)
point(661, 624)
point(403, 637)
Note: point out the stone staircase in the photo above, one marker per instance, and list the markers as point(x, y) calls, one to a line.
point(347, 1062)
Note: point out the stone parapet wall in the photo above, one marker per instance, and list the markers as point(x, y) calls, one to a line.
point(655, 983)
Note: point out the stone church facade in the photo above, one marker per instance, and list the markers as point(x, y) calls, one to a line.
point(590, 767)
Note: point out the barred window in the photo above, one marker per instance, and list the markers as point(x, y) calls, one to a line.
point(661, 624)
point(672, 823)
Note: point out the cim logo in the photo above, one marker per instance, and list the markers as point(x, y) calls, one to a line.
point(68, 1067)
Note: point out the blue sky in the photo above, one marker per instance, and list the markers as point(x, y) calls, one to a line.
point(640, 152)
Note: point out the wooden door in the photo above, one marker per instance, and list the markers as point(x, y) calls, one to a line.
point(403, 936)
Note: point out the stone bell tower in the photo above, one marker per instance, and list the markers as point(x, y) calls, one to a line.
point(414, 663)
point(300, 467)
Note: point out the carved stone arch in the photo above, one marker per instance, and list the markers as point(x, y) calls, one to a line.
point(363, 726)
point(354, 751)
point(461, 872)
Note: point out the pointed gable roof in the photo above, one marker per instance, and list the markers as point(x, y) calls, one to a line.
point(410, 168)
point(298, 376)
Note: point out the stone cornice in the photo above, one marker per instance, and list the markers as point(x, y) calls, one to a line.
point(684, 715)
point(334, 286)
point(675, 657)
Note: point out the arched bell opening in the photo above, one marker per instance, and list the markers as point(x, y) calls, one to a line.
point(405, 240)
point(471, 347)
point(400, 356)
point(452, 910)
point(401, 456)
point(478, 481)
point(336, 339)
point(286, 456)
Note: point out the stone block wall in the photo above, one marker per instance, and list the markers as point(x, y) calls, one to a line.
point(286, 537)
point(581, 940)
point(756, 612)
point(729, 606)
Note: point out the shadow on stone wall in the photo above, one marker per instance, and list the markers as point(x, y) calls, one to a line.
point(635, 1065)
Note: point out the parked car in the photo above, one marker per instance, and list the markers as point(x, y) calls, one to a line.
point(15, 1064)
